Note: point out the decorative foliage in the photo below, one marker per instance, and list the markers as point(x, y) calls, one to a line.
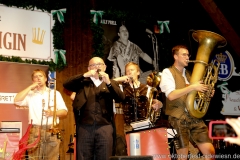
point(97, 39)
point(60, 53)
point(59, 13)
point(57, 30)
point(46, 5)
point(58, 42)
point(96, 14)
point(163, 24)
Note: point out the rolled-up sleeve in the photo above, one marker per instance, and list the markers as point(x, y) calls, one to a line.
point(23, 102)
point(167, 83)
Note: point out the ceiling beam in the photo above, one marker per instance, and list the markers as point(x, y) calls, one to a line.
point(221, 22)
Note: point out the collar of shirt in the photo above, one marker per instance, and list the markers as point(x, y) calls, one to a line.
point(97, 82)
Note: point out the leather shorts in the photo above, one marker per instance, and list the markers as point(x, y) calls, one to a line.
point(190, 129)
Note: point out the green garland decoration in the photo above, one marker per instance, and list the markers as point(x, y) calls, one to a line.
point(98, 46)
point(57, 31)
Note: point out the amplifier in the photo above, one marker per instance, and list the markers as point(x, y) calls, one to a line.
point(131, 158)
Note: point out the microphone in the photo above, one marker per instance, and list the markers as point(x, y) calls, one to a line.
point(131, 78)
point(99, 75)
point(148, 31)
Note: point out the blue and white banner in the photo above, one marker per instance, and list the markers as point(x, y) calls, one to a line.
point(230, 99)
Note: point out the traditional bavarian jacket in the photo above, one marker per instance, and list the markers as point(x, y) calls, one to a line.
point(135, 104)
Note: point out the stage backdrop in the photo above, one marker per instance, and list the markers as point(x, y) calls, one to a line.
point(14, 78)
point(226, 101)
point(142, 42)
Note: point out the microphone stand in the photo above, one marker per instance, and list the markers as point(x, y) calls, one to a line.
point(156, 52)
point(70, 145)
point(155, 48)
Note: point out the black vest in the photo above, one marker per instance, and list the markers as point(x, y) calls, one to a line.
point(94, 109)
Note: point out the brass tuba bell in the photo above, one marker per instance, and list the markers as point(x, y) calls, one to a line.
point(197, 102)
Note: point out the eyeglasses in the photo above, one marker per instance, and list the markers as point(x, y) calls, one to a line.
point(185, 55)
point(96, 65)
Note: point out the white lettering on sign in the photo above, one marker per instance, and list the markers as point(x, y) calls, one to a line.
point(110, 22)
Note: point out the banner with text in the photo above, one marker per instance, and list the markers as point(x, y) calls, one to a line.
point(25, 33)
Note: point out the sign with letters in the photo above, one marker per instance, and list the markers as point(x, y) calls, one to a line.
point(230, 99)
point(25, 33)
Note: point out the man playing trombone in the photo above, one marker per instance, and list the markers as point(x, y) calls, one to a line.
point(45, 107)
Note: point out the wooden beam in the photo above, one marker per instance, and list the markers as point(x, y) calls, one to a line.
point(222, 23)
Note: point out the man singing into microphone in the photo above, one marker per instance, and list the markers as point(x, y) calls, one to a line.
point(136, 95)
point(93, 110)
point(135, 105)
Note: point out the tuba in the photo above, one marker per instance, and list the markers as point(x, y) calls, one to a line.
point(153, 80)
point(197, 103)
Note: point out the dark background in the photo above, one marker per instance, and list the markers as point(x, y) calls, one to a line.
point(185, 16)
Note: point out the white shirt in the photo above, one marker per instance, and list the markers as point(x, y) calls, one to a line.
point(97, 82)
point(167, 83)
point(34, 101)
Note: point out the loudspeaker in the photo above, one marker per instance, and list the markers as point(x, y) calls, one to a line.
point(131, 158)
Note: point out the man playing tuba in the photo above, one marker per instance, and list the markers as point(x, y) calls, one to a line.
point(175, 85)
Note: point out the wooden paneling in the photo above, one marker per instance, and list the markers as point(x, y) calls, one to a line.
point(78, 45)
